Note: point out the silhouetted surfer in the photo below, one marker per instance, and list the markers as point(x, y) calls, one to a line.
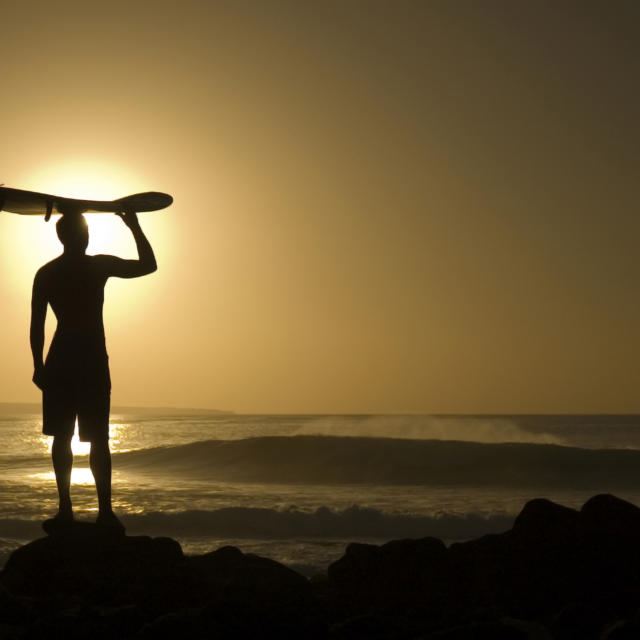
point(75, 379)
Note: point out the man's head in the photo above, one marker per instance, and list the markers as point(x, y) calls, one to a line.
point(73, 232)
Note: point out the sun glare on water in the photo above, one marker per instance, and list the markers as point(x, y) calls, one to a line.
point(81, 474)
point(117, 433)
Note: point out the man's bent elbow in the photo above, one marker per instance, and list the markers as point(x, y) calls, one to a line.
point(151, 268)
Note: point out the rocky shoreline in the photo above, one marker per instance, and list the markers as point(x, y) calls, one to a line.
point(559, 573)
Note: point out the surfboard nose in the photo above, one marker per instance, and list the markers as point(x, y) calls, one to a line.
point(147, 201)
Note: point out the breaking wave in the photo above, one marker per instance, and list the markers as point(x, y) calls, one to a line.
point(357, 460)
point(272, 524)
point(354, 522)
point(416, 427)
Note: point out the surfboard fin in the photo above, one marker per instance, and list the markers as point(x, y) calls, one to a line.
point(47, 216)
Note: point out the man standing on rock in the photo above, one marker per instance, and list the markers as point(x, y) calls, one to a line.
point(74, 379)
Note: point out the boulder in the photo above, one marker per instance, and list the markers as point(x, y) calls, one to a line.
point(95, 567)
point(579, 621)
point(543, 523)
point(80, 623)
point(12, 609)
point(228, 567)
point(399, 570)
point(610, 554)
point(553, 557)
point(507, 629)
point(252, 596)
point(610, 515)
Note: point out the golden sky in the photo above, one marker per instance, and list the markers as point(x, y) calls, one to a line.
point(408, 206)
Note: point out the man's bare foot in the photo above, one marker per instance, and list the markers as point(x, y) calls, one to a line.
point(65, 514)
point(109, 520)
point(63, 519)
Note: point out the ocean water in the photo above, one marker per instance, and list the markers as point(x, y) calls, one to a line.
point(299, 488)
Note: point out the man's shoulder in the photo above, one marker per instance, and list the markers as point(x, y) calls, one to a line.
point(103, 260)
point(49, 267)
point(59, 264)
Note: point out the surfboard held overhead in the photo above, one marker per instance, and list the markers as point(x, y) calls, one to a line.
point(33, 203)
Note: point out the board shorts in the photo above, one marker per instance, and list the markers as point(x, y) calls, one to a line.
point(77, 385)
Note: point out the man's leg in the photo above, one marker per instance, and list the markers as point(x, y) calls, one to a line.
point(62, 457)
point(100, 463)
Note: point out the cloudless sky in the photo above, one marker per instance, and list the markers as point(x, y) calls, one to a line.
point(408, 206)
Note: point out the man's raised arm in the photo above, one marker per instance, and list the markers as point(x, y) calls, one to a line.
point(146, 262)
point(36, 332)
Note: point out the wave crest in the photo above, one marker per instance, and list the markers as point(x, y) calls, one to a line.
point(461, 429)
point(354, 522)
point(381, 461)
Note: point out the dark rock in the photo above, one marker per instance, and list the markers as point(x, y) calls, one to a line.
point(12, 632)
point(371, 627)
point(88, 582)
point(579, 621)
point(97, 623)
point(543, 559)
point(499, 630)
point(229, 568)
point(251, 596)
point(575, 573)
point(622, 630)
point(234, 618)
point(610, 515)
point(552, 557)
point(355, 568)
point(187, 623)
point(99, 568)
point(476, 575)
point(542, 555)
point(398, 572)
point(12, 610)
point(610, 554)
point(544, 523)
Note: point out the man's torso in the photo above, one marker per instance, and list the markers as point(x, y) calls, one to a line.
point(75, 290)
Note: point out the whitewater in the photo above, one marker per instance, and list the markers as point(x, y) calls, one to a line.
point(299, 488)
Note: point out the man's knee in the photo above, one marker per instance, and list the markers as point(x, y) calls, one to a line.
point(100, 445)
point(62, 441)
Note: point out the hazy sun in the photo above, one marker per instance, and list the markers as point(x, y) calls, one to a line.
point(95, 180)
point(29, 241)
